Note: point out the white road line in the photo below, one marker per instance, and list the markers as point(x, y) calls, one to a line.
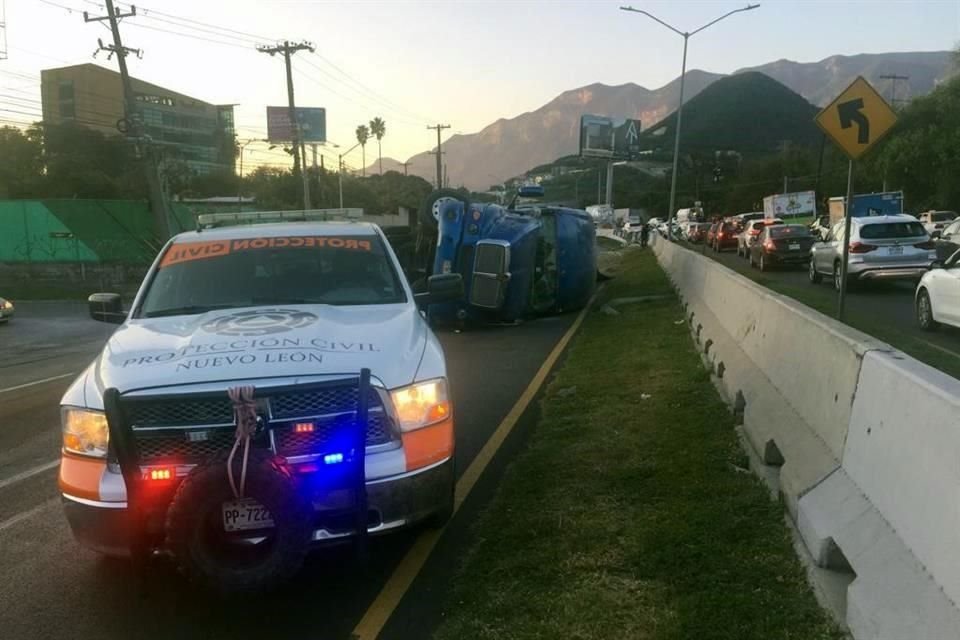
point(939, 348)
point(23, 475)
point(20, 517)
point(30, 384)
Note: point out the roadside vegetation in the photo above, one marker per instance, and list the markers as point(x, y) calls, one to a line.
point(631, 513)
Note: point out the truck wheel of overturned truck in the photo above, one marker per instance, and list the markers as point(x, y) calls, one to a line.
point(247, 561)
point(430, 209)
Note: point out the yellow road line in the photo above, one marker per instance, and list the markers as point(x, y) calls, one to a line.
point(402, 577)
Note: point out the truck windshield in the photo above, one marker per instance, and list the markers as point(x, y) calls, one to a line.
point(195, 277)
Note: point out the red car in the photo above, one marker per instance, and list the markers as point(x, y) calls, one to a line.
point(723, 236)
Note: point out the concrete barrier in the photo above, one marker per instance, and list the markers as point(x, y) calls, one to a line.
point(867, 440)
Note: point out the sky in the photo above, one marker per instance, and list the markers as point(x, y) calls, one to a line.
point(463, 63)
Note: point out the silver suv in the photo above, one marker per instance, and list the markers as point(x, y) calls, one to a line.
point(894, 247)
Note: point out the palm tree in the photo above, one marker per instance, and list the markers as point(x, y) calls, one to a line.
point(363, 134)
point(379, 129)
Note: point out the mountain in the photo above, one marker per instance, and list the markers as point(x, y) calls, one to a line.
point(389, 164)
point(820, 82)
point(746, 112)
point(510, 146)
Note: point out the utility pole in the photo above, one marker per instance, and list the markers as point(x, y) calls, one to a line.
point(132, 124)
point(893, 86)
point(893, 78)
point(609, 198)
point(299, 152)
point(3, 30)
point(405, 165)
point(439, 127)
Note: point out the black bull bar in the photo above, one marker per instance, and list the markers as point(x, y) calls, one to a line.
point(124, 447)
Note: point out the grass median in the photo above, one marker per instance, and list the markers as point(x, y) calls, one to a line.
point(630, 513)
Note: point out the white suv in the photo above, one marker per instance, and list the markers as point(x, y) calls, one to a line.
point(894, 247)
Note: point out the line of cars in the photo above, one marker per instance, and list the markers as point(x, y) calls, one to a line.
point(922, 249)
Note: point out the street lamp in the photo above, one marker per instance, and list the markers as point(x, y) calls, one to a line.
point(683, 72)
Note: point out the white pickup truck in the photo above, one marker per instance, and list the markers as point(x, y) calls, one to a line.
point(349, 426)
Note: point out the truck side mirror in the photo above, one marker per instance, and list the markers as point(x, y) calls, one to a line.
point(444, 287)
point(106, 307)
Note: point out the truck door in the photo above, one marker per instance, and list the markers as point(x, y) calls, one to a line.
point(543, 296)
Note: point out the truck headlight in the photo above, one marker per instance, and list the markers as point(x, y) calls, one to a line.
point(7, 304)
point(85, 432)
point(421, 404)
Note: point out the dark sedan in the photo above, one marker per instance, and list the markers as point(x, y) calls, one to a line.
point(948, 242)
point(786, 244)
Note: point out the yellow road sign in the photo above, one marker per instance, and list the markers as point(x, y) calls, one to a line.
point(857, 118)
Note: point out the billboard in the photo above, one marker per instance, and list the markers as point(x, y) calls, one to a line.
point(312, 121)
point(790, 205)
point(611, 138)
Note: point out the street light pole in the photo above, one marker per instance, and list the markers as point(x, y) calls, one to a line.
point(340, 171)
point(240, 180)
point(683, 72)
point(676, 144)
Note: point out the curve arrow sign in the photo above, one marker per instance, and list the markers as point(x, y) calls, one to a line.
point(850, 113)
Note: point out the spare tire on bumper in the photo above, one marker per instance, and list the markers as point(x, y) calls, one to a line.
point(233, 563)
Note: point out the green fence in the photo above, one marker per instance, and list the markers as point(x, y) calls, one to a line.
point(82, 230)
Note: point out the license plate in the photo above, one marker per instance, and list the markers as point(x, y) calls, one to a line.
point(794, 247)
point(241, 515)
point(894, 251)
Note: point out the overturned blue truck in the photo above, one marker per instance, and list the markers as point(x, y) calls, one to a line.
point(518, 261)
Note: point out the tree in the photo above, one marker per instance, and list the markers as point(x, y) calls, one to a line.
point(379, 129)
point(22, 166)
point(363, 134)
point(921, 154)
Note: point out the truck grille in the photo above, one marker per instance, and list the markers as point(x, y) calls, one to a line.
point(173, 413)
point(486, 292)
point(318, 402)
point(176, 448)
point(166, 431)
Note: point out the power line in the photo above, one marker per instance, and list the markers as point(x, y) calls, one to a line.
point(148, 11)
point(221, 34)
point(371, 95)
point(371, 110)
point(194, 37)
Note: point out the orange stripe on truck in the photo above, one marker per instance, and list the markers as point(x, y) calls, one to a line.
point(80, 477)
point(426, 446)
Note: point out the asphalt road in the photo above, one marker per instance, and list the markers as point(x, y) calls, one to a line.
point(54, 588)
point(888, 303)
